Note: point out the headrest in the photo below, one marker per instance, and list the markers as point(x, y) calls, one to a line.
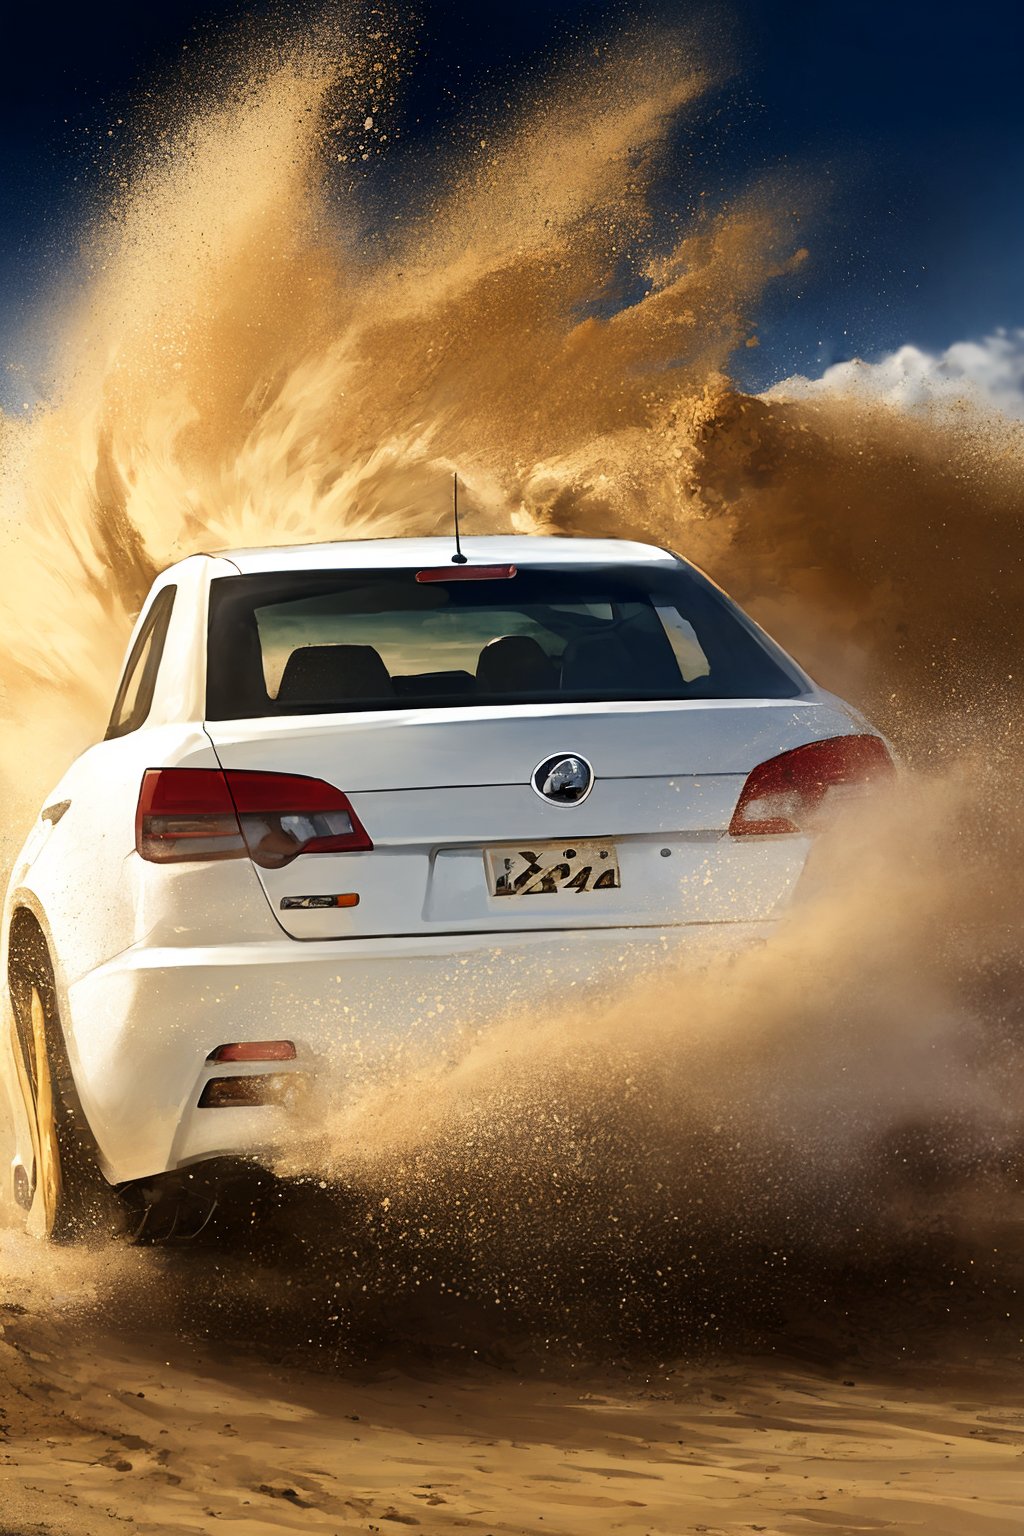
point(515, 664)
point(334, 674)
point(600, 664)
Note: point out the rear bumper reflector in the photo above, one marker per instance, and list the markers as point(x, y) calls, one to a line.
point(254, 1050)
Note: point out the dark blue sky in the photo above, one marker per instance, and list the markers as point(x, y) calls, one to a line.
point(912, 114)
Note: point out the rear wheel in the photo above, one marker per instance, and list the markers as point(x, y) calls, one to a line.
point(70, 1199)
point(50, 1204)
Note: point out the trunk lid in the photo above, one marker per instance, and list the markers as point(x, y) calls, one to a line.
point(438, 790)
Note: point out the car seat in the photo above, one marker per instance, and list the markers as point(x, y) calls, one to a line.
point(335, 675)
point(515, 664)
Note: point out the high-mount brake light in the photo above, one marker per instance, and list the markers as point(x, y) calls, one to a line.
point(187, 814)
point(467, 573)
point(791, 792)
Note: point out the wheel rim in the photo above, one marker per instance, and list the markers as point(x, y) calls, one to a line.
point(48, 1183)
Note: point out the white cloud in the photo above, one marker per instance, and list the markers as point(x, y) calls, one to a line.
point(983, 374)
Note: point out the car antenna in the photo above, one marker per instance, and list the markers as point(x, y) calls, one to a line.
point(458, 558)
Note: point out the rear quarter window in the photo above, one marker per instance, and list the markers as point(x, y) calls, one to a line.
point(134, 697)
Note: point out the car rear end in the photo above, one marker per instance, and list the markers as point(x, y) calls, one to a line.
point(445, 792)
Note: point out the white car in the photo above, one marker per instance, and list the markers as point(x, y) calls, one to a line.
point(353, 794)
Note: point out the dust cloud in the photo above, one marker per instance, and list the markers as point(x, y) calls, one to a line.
point(671, 1166)
point(254, 354)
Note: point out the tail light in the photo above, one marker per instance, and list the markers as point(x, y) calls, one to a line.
point(206, 813)
point(186, 813)
point(285, 814)
point(793, 792)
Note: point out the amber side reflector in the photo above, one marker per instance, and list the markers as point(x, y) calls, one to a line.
point(254, 1050)
point(242, 1092)
point(467, 573)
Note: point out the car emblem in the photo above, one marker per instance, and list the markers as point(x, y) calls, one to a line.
point(565, 779)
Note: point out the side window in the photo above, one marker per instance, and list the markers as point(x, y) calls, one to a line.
point(135, 695)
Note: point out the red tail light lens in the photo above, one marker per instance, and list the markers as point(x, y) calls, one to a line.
point(285, 814)
point(790, 793)
point(186, 813)
point(203, 813)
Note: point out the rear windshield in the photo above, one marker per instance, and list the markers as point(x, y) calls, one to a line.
point(297, 643)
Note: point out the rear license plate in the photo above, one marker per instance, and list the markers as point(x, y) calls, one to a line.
point(542, 869)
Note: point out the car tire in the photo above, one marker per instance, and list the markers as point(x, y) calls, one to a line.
point(70, 1198)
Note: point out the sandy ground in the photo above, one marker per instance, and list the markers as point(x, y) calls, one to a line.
point(113, 1413)
point(179, 1390)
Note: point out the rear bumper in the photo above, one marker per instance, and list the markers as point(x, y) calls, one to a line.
point(143, 1025)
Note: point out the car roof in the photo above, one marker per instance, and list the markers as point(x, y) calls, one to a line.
point(369, 554)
